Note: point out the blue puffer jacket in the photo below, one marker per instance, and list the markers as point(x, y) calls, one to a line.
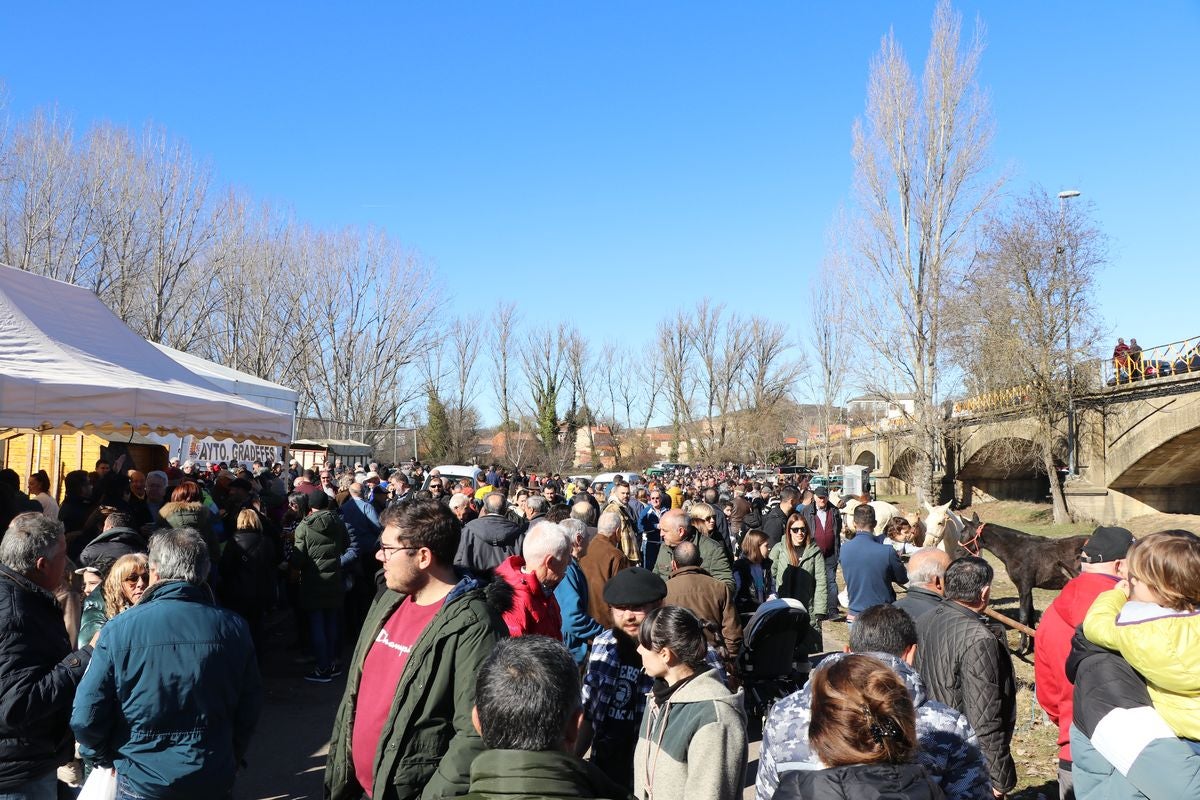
point(172, 695)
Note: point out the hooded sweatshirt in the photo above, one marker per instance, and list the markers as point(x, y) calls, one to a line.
point(693, 744)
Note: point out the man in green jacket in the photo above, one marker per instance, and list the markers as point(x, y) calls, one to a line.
point(674, 528)
point(527, 709)
point(404, 729)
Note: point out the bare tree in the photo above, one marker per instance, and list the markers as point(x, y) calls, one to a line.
point(465, 345)
point(675, 359)
point(1033, 292)
point(504, 324)
point(582, 369)
point(721, 346)
point(629, 394)
point(47, 216)
point(920, 160)
point(181, 225)
point(770, 372)
point(545, 368)
point(368, 304)
point(830, 350)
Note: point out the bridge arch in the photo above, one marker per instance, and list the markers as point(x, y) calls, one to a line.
point(1003, 468)
point(1165, 475)
point(868, 459)
point(906, 468)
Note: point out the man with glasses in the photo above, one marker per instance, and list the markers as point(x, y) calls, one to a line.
point(404, 725)
point(438, 491)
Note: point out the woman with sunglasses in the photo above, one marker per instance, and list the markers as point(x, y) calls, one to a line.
point(799, 571)
point(127, 581)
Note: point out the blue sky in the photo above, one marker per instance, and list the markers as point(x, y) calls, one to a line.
point(608, 162)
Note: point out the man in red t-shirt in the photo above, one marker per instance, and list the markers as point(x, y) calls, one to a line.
point(533, 575)
point(1103, 560)
point(404, 726)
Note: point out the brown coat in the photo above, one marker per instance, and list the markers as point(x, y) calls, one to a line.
point(711, 599)
point(601, 561)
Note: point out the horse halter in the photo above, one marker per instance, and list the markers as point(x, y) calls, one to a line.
point(974, 540)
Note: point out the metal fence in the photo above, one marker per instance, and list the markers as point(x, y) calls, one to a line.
point(1176, 358)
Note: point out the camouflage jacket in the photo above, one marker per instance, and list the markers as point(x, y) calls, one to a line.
point(949, 749)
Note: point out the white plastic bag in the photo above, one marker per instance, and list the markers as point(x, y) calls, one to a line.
point(100, 785)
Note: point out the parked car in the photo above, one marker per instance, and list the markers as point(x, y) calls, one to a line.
point(664, 468)
point(456, 472)
point(831, 482)
point(606, 479)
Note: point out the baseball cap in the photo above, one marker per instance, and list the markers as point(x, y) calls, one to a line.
point(1107, 543)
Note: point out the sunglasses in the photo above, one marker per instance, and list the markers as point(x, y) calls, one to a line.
point(705, 519)
point(798, 529)
point(137, 577)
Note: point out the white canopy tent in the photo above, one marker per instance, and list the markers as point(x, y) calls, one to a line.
point(68, 365)
point(243, 384)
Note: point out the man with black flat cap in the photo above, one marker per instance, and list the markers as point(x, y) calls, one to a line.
point(1102, 564)
point(615, 685)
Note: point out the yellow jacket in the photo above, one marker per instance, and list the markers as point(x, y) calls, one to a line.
point(1161, 644)
point(676, 496)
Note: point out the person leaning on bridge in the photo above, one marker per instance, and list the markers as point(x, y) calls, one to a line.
point(966, 666)
point(1102, 561)
point(404, 728)
point(926, 580)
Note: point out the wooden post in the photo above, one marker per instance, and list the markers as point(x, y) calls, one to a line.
point(1010, 622)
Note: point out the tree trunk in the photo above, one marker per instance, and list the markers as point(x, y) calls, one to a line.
point(1062, 514)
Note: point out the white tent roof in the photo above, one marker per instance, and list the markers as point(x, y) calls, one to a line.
point(68, 364)
point(243, 384)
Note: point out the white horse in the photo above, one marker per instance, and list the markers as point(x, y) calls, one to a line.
point(884, 511)
point(943, 528)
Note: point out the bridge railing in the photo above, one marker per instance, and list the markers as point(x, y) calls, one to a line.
point(999, 400)
point(1176, 358)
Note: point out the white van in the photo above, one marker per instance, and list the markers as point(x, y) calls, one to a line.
point(605, 479)
point(456, 472)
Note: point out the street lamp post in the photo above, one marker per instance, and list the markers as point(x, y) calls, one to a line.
point(1063, 197)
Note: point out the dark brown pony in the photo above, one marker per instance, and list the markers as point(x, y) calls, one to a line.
point(1032, 561)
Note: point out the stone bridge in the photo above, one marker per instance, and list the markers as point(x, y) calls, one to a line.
point(1137, 452)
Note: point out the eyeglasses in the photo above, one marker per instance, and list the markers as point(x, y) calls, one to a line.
point(135, 578)
point(798, 529)
point(705, 519)
point(387, 550)
point(435, 487)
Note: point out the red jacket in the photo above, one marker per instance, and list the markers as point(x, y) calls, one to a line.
point(532, 610)
point(1052, 645)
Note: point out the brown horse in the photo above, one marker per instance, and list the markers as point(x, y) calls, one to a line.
point(1031, 561)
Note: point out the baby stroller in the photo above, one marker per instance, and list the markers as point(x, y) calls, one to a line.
point(773, 661)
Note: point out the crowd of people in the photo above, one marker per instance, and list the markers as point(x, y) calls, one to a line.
point(523, 635)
